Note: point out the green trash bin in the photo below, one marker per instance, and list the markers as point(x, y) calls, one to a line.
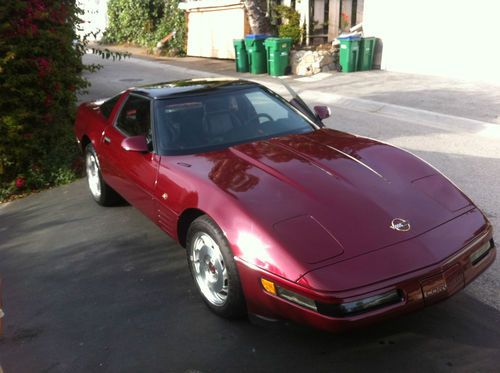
point(240, 53)
point(278, 55)
point(257, 62)
point(366, 51)
point(349, 53)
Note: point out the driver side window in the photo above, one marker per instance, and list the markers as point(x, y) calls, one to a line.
point(135, 117)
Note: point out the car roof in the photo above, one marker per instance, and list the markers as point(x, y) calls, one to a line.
point(190, 86)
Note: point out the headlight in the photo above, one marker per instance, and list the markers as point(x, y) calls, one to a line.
point(296, 298)
point(361, 305)
point(334, 309)
point(480, 253)
point(289, 295)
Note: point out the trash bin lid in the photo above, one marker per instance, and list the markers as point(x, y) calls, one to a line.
point(349, 37)
point(272, 40)
point(257, 36)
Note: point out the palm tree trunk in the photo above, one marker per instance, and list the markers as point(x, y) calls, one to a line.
point(258, 16)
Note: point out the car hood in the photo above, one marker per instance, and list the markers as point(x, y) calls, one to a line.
point(330, 195)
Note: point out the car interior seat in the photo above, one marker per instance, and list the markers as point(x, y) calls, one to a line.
point(218, 118)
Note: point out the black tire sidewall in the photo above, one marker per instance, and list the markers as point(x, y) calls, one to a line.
point(234, 306)
point(108, 196)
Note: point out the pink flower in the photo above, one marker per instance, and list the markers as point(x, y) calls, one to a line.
point(38, 5)
point(20, 182)
point(49, 100)
point(44, 66)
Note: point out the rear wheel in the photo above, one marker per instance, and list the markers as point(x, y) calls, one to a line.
point(213, 268)
point(100, 191)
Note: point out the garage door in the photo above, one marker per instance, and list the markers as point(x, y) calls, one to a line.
point(211, 32)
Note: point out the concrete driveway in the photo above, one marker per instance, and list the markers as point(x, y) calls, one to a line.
point(88, 288)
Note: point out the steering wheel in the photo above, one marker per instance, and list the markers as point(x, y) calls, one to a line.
point(257, 116)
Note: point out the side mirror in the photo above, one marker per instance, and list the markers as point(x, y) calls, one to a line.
point(322, 112)
point(136, 144)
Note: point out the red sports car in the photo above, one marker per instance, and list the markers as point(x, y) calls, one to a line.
point(280, 216)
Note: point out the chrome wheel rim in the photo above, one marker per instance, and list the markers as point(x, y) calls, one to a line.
point(93, 179)
point(209, 269)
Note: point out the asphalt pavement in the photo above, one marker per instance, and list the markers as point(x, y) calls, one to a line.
point(88, 288)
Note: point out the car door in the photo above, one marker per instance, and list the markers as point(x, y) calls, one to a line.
point(132, 174)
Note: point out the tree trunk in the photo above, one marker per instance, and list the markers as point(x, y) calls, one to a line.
point(256, 11)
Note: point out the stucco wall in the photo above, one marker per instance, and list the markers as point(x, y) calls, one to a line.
point(453, 38)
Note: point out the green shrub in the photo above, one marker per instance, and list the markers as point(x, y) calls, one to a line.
point(145, 23)
point(290, 23)
point(40, 73)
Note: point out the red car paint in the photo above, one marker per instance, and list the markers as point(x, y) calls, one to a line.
point(311, 212)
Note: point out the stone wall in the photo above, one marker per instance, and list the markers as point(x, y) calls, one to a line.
point(309, 62)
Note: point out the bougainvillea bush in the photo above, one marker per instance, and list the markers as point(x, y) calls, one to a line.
point(40, 73)
point(145, 23)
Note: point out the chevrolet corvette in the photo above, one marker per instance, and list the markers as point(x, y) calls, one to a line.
point(282, 217)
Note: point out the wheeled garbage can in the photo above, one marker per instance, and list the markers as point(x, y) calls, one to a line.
point(349, 53)
point(366, 51)
point(241, 57)
point(278, 55)
point(257, 62)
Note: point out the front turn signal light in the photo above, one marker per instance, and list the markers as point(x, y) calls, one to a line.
point(268, 286)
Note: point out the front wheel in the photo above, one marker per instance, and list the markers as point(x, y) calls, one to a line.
point(213, 269)
point(100, 191)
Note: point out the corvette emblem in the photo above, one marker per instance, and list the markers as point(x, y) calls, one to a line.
point(400, 225)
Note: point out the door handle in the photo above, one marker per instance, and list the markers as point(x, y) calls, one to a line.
point(107, 140)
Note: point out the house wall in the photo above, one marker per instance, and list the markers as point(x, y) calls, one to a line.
point(452, 38)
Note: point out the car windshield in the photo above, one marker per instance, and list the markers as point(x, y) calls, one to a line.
point(216, 120)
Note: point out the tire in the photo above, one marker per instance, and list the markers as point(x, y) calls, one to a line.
point(213, 269)
point(102, 193)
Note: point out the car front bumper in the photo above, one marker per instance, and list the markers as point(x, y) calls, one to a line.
point(418, 289)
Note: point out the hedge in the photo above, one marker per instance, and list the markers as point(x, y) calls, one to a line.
point(145, 23)
point(40, 74)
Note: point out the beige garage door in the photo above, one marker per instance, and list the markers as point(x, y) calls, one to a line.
point(211, 32)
